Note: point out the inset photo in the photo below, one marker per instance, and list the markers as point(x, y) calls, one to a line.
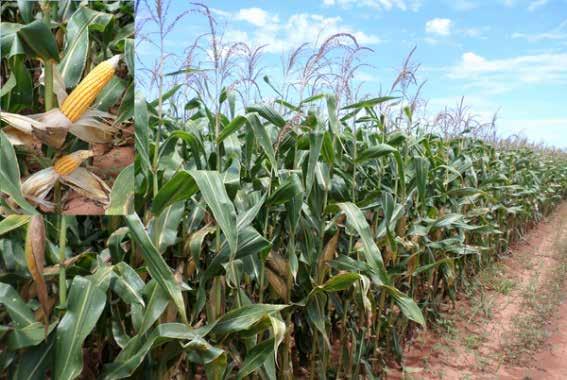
point(66, 107)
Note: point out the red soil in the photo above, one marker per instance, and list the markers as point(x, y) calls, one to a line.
point(476, 345)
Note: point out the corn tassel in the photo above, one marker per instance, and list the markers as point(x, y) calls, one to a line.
point(83, 96)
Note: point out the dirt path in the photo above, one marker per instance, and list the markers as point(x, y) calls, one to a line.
point(512, 324)
point(551, 361)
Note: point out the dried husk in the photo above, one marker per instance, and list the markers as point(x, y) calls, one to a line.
point(88, 185)
point(278, 284)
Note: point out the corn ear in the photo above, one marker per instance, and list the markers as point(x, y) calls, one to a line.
point(329, 251)
point(277, 264)
point(81, 98)
point(69, 163)
point(278, 284)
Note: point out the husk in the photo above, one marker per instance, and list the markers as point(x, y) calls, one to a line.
point(18, 137)
point(277, 283)
point(94, 127)
point(88, 185)
point(49, 127)
point(277, 263)
point(38, 185)
point(55, 127)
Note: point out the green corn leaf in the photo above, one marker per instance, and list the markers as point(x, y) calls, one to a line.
point(369, 103)
point(19, 312)
point(256, 357)
point(138, 347)
point(158, 268)
point(339, 282)
point(407, 305)
point(38, 41)
point(250, 242)
point(84, 306)
point(122, 194)
point(142, 127)
point(214, 193)
point(268, 113)
point(375, 152)
point(28, 336)
point(34, 363)
point(356, 219)
point(315, 144)
point(163, 228)
point(263, 138)
point(332, 113)
point(244, 318)
point(10, 175)
point(166, 95)
point(77, 41)
point(129, 54)
point(110, 94)
point(232, 127)
point(127, 284)
point(12, 222)
point(285, 192)
point(180, 187)
point(157, 302)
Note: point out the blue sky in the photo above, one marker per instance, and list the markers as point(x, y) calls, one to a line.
point(508, 56)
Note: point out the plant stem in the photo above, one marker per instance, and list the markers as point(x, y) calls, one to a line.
point(49, 98)
point(155, 163)
point(266, 235)
point(62, 274)
point(48, 87)
point(287, 366)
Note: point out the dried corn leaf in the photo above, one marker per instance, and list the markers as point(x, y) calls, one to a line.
point(35, 260)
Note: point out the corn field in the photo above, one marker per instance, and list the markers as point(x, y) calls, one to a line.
point(278, 238)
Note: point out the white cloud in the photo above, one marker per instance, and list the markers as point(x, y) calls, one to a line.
point(475, 32)
point(483, 108)
point(299, 28)
point(431, 41)
point(557, 33)
point(439, 26)
point(475, 103)
point(532, 6)
point(549, 131)
point(502, 75)
point(380, 5)
point(255, 16)
point(363, 76)
point(463, 5)
point(536, 4)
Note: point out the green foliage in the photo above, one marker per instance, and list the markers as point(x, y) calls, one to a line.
point(421, 215)
point(274, 237)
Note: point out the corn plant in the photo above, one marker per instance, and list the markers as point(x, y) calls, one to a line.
point(72, 46)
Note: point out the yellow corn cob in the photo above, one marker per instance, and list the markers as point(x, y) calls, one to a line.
point(67, 164)
point(87, 90)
